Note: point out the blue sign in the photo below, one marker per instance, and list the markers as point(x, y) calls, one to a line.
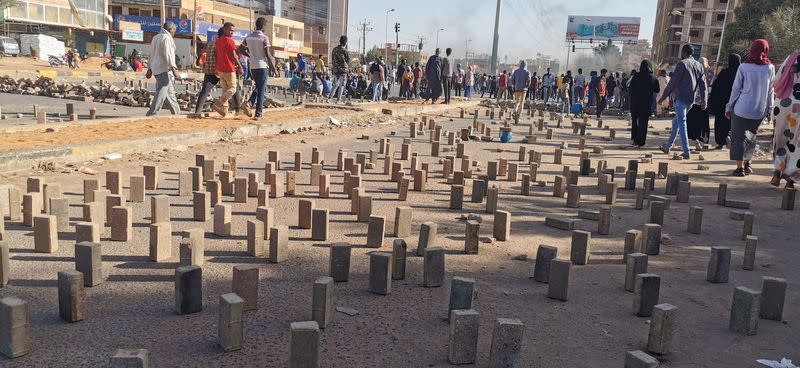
point(697, 49)
point(153, 24)
point(204, 28)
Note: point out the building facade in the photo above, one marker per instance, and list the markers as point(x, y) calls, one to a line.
point(697, 22)
point(85, 29)
point(325, 21)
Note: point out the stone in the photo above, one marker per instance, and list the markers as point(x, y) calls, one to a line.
point(214, 188)
point(579, 249)
point(433, 267)
point(324, 185)
point(737, 204)
point(719, 265)
point(402, 222)
point(639, 359)
point(630, 180)
point(121, 223)
point(472, 237)
point(319, 227)
point(657, 212)
point(695, 224)
point(339, 261)
point(604, 223)
point(456, 197)
point(750, 245)
point(671, 188)
point(633, 244)
point(240, 190)
point(399, 250)
point(278, 244)
point(226, 180)
point(635, 264)
point(788, 199)
point(31, 207)
point(222, 220)
point(14, 327)
point(651, 239)
point(491, 199)
point(573, 196)
point(463, 337)
point(541, 269)
point(427, 237)
point(773, 297)
point(304, 345)
point(322, 301)
point(256, 246)
point(747, 226)
point(89, 261)
point(560, 223)
point(478, 190)
point(316, 171)
point(559, 186)
point(150, 173)
point(45, 234)
point(114, 182)
point(662, 324)
point(201, 206)
point(71, 296)
point(192, 249)
point(112, 201)
point(265, 215)
point(375, 231)
point(160, 241)
point(197, 177)
point(745, 311)
point(59, 207)
point(501, 228)
point(462, 294)
point(645, 293)
point(276, 186)
point(252, 184)
point(380, 273)
point(87, 231)
point(34, 184)
point(89, 186)
point(5, 263)
point(129, 358)
point(188, 289)
point(230, 322)
point(558, 280)
point(159, 209)
point(683, 192)
point(364, 208)
point(506, 343)
point(304, 208)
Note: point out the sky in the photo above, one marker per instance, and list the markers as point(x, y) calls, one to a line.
point(527, 27)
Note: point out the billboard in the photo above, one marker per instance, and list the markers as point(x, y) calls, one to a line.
point(153, 24)
point(580, 27)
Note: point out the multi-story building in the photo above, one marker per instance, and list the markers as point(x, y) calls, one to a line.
point(325, 21)
point(286, 37)
point(84, 29)
point(697, 22)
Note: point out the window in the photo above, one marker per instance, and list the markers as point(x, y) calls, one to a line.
point(155, 13)
point(36, 12)
point(694, 33)
point(51, 14)
point(697, 16)
point(723, 1)
point(116, 10)
point(64, 16)
point(717, 34)
point(171, 12)
point(144, 13)
point(285, 13)
point(721, 17)
point(133, 11)
point(19, 11)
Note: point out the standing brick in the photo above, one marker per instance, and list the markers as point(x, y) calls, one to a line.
point(472, 237)
point(745, 310)
point(160, 241)
point(214, 188)
point(192, 250)
point(89, 261)
point(87, 231)
point(402, 222)
point(31, 207)
point(399, 250)
point(265, 215)
point(580, 248)
point(558, 281)
point(651, 239)
point(463, 338)
point(188, 289)
point(150, 173)
point(773, 297)
point(59, 207)
point(45, 234)
point(427, 237)
point(222, 220)
point(278, 244)
point(201, 206)
point(462, 293)
point(541, 269)
point(506, 343)
point(380, 273)
point(635, 264)
point(71, 296)
point(256, 246)
point(5, 264)
point(89, 186)
point(433, 267)
point(319, 227)
point(121, 223)
point(750, 245)
point(14, 327)
point(159, 209)
point(376, 231)
point(661, 326)
point(230, 329)
point(364, 208)
point(322, 301)
point(304, 345)
point(197, 177)
point(339, 262)
point(245, 285)
point(114, 182)
point(719, 265)
point(304, 209)
point(137, 191)
point(645, 294)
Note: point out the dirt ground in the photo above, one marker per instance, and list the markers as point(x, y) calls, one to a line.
point(81, 133)
point(134, 308)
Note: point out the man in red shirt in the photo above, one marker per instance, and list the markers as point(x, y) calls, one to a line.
point(227, 68)
point(502, 86)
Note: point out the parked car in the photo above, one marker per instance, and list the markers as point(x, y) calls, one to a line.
point(8, 46)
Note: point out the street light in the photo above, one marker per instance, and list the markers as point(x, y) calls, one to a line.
point(437, 37)
point(688, 33)
point(386, 44)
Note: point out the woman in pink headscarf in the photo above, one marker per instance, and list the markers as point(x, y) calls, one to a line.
point(787, 122)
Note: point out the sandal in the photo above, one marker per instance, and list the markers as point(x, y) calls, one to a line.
point(789, 183)
point(776, 179)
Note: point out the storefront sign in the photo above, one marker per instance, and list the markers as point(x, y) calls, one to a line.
point(204, 28)
point(153, 24)
point(137, 36)
point(292, 46)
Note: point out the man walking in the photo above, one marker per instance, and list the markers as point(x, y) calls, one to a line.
point(261, 62)
point(520, 81)
point(548, 81)
point(446, 75)
point(502, 82)
point(340, 61)
point(687, 81)
point(210, 79)
point(227, 68)
point(580, 82)
point(162, 66)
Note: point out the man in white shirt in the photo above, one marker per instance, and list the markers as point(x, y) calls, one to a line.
point(580, 82)
point(162, 63)
point(548, 81)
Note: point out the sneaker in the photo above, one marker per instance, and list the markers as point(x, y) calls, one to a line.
point(738, 172)
point(663, 149)
point(747, 169)
point(685, 156)
point(246, 109)
point(219, 110)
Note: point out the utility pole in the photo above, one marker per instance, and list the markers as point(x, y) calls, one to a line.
point(163, 11)
point(722, 34)
point(493, 66)
point(364, 27)
point(397, 44)
point(419, 49)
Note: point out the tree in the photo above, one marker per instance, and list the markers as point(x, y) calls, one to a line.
point(373, 54)
point(749, 23)
point(5, 4)
point(783, 31)
point(609, 55)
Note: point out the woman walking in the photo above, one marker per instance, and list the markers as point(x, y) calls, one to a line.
point(469, 81)
point(720, 95)
point(697, 127)
point(787, 123)
point(751, 101)
point(643, 87)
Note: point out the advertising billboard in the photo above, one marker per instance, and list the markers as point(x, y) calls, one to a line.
point(580, 27)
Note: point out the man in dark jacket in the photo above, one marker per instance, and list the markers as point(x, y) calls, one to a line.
point(643, 88)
